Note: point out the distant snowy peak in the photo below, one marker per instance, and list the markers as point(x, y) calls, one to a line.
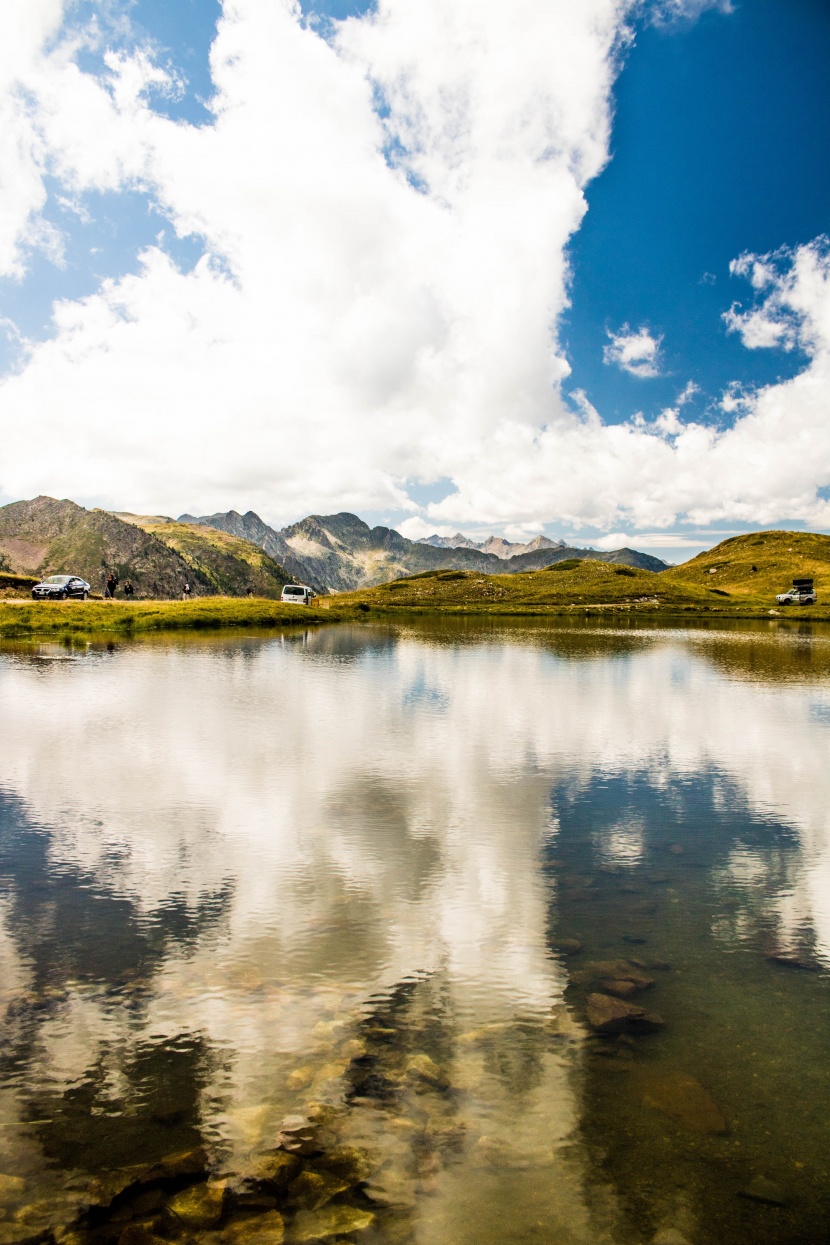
point(493, 544)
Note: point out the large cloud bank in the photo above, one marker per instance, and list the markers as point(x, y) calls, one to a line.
point(384, 216)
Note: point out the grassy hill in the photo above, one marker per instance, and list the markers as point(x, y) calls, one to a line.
point(231, 566)
point(741, 575)
point(757, 566)
point(569, 582)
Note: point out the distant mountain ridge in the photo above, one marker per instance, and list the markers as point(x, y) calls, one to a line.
point(340, 552)
point(493, 544)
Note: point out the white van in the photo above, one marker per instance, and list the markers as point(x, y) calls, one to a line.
point(298, 594)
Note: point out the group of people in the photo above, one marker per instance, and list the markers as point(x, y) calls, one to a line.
point(112, 583)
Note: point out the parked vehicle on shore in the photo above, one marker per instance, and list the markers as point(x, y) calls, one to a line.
point(60, 588)
point(298, 594)
point(801, 593)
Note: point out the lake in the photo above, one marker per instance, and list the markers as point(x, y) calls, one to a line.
point(449, 933)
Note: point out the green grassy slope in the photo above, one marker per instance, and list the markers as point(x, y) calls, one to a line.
point(231, 565)
point(20, 620)
point(777, 557)
point(574, 582)
point(733, 587)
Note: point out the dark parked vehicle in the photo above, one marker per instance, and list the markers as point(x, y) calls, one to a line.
point(60, 587)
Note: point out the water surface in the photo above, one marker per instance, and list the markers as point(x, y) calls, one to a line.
point(378, 878)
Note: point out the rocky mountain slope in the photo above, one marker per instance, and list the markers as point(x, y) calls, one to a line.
point(340, 553)
point(45, 536)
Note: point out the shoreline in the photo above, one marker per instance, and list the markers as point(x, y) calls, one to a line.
point(20, 619)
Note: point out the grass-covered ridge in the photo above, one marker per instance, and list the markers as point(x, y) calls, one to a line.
point(757, 566)
point(722, 580)
point(228, 564)
point(19, 620)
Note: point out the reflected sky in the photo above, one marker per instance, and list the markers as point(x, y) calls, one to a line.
point(217, 855)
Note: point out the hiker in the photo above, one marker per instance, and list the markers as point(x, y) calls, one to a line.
point(128, 588)
point(186, 592)
point(112, 584)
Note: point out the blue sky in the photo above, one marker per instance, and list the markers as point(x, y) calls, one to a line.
point(484, 359)
point(719, 147)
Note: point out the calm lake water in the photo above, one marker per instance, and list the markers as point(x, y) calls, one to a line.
point(529, 926)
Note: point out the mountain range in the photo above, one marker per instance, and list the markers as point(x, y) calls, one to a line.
point(493, 544)
point(237, 555)
point(339, 552)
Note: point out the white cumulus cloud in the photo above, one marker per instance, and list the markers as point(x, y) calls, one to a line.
point(384, 219)
point(636, 351)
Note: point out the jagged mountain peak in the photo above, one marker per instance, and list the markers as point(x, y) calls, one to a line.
point(339, 552)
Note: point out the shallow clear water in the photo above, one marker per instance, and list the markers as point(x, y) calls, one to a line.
point(379, 878)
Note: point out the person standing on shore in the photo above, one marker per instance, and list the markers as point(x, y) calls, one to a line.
point(186, 592)
point(112, 584)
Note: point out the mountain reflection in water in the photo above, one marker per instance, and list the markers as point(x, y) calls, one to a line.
point(378, 875)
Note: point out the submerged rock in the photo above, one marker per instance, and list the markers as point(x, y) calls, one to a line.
point(421, 1068)
point(107, 1186)
point(11, 1189)
point(598, 971)
point(348, 1163)
point(297, 1135)
point(276, 1170)
point(569, 946)
point(685, 1100)
point(320, 1225)
point(174, 1166)
point(622, 988)
point(267, 1229)
point(793, 959)
point(498, 1152)
point(669, 1236)
point(315, 1188)
point(392, 1189)
point(760, 1189)
point(609, 1015)
point(197, 1207)
point(134, 1234)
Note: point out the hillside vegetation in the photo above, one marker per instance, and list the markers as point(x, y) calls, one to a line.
point(721, 580)
point(232, 566)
